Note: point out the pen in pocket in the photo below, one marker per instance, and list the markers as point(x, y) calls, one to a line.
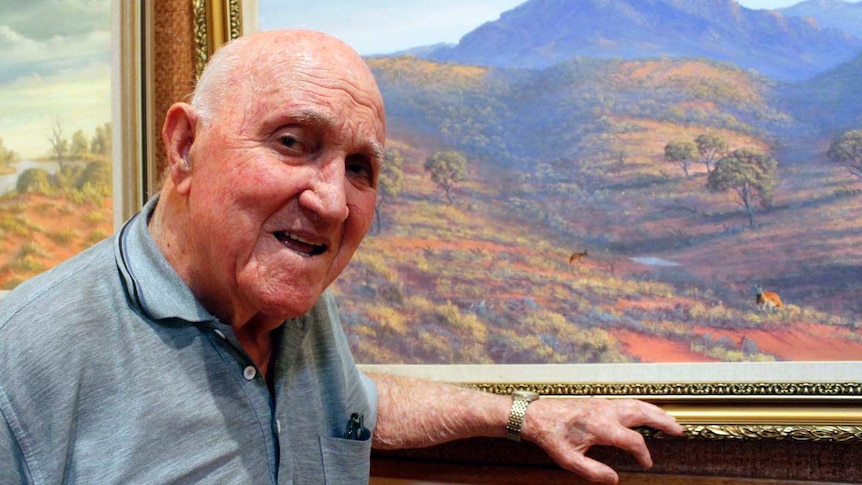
point(355, 428)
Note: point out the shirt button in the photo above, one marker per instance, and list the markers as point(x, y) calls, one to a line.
point(249, 373)
point(278, 426)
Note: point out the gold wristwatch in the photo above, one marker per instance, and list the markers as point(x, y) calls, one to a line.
point(520, 401)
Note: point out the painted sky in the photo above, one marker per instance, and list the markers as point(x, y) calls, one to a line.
point(54, 65)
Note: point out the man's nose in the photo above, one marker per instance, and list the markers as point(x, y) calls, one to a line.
point(326, 195)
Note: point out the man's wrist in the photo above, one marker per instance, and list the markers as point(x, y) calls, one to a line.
point(520, 401)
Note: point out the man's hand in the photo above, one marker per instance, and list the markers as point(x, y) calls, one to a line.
point(567, 428)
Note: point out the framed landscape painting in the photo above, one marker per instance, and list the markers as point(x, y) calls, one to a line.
point(658, 200)
point(70, 145)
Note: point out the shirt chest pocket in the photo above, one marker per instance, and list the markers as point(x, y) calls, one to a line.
point(345, 461)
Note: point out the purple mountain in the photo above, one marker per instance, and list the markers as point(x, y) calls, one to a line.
point(540, 33)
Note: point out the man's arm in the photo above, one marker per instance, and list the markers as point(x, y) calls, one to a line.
point(415, 413)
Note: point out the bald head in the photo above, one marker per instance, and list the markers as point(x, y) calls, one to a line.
point(256, 64)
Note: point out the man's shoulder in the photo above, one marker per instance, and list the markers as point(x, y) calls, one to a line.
point(64, 289)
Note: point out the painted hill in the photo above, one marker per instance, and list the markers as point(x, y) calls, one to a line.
point(490, 112)
point(830, 102)
point(836, 14)
point(540, 33)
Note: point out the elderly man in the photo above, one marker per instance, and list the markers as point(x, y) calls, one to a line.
point(200, 344)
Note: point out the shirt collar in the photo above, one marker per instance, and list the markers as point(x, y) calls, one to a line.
point(152, 284)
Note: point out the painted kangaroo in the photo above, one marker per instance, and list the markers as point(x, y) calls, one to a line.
point(577, 257)
point(767, 301)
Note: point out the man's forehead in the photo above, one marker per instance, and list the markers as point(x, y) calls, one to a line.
point(321, 56)
point(315, 99)
point(325, 83)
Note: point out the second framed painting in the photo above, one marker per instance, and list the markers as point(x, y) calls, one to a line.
point(72, 150)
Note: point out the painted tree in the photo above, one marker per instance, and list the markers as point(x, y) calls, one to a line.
point(80, 146)
point(390, 182)
point(100, 144)
point(447, 168)
point(96, 177)
point(681, 152)
point(846, 150)
point(711, 148)
point(59, 145)
point(752, 175)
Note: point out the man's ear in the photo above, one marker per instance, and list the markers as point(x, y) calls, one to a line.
point(178, 135)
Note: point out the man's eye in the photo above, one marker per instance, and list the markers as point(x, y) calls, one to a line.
point(360, 167)
point(290, 142)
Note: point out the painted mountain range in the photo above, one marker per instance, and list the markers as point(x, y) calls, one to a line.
point(793, 45)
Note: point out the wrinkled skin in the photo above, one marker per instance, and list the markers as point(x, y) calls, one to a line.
point(272, 180)
point(568, 429)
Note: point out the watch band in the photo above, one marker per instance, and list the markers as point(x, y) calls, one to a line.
point(520, 401)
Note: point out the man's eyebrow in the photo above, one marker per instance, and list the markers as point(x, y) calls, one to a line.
point(378, 151)
point(312, 117)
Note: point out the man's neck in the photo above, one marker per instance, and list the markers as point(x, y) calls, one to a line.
point(257, 343)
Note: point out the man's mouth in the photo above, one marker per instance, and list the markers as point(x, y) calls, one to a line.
point(299, 245)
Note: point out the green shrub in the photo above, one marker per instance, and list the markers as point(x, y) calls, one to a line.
point(96, 236)
point(12, 283)
point(17, 225)
point(65, 236)
point(94, 217)
point(34, 180)
point(32, 249)
point(25, 264)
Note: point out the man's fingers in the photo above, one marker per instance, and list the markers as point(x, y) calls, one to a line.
point(627, 414)
point(568, 429)
point(639, 413)
point(633, 442)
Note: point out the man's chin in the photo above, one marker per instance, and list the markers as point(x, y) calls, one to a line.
point(291, 304)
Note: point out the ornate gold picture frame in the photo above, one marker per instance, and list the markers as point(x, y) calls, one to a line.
point(786, 401)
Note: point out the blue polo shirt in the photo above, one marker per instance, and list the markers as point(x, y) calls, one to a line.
point(112, 372)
